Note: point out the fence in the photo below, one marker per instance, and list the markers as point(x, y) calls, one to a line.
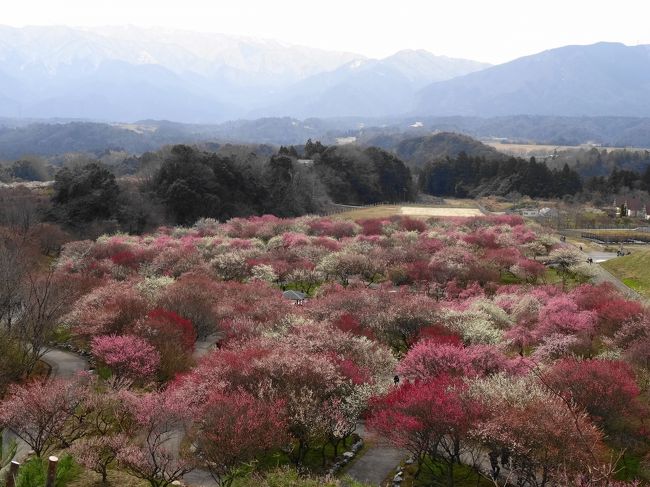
point(615, 237)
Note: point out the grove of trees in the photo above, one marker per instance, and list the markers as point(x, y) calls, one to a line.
point(510, 372)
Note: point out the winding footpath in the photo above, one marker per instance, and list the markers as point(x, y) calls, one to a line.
point(603, 275)
point(379, 459)
point(66, 365)
point(63, 365)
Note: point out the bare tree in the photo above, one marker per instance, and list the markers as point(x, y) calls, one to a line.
point(46, 298)
point(12, 271)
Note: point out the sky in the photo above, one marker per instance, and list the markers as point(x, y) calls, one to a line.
point(492, 31)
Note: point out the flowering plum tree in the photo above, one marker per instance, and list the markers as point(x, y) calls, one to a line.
point(431, 419)
point(540, 437)
point(173, 338)
point(193, 297)
point(129, 357)
point(158, 419)
point(108, 309)
point(39, 413)
point(98, 453)
point(606, 389)
point(234, 428)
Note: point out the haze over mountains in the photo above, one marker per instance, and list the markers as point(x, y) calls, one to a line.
point(602, 79)
point(127, 74)
point(370, 87)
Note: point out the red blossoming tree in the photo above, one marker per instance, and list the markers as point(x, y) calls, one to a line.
point(234, 428)
point(430, 419)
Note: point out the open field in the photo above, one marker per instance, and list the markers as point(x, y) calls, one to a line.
point(633, 270)
point(426, 211)
point(541, 150)
point(384, 211)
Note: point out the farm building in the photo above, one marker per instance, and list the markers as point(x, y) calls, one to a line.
point(633, 208)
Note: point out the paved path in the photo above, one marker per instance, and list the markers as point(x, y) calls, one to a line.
point(603, 275)
point(64, 365)
point(376, 463)
point(203, 347)
point(197, 477)
point(601, 256)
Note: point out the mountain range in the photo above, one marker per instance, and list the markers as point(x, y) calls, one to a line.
point(604, 79)
point(125, 74)
point(129, 73)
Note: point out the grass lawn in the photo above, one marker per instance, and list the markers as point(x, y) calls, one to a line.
point(553, 277)
point(448, 208)
point(463, 477)
point(313, 459)
point(116, 478)
point(633, 270)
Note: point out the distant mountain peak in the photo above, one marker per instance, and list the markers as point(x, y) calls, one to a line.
point(602, 79)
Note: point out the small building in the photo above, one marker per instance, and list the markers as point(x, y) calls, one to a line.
point(296, 296)
point(632, 208)
point(529, 212)
point(548, 212)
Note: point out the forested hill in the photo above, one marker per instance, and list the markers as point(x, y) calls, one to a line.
point(182, 184)
point(48, 138)
point(467, 176)
point(420, 150)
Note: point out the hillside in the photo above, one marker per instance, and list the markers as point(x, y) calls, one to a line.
point(50, 137)
point(420, 150)
point(595, 80)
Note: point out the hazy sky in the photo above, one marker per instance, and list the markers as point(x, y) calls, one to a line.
point(485, 30)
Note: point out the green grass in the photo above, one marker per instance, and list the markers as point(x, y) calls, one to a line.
point(464, 476)
point(633, 270)
point(509, 279)
point(552, 276)
point(313, 459)
point(33, 472)
point(631, 468)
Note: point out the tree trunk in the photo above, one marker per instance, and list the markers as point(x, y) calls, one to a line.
point(450, 474)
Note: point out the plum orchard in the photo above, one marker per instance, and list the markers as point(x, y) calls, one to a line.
point(524, 381)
